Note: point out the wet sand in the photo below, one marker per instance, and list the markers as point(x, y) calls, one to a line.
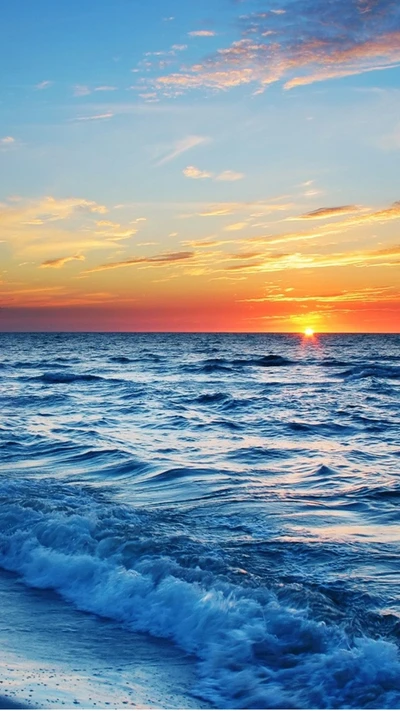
point(94, 663)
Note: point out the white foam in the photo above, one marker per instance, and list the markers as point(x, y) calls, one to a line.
point(253, 650)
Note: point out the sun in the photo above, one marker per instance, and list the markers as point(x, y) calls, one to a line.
point(308, 332)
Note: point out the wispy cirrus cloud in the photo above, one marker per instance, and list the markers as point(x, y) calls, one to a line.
point(197, 174)
point(46, 84)
point(364, 295)
point(95, 117)
point(300, 42)
point(256, 208)
point(323, 213)
point(157, 259)
point(105, 87)
point(182, 146)
point(273, 262)
point(61, 261)
point(234, 227)
point(84, 90)
point(363, 217)
point(202, 33)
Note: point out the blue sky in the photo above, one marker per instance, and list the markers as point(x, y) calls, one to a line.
point(171, 140)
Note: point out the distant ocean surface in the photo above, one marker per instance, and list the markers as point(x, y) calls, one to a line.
point(225, 508)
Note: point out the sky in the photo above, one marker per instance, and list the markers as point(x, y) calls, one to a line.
point(215, 165)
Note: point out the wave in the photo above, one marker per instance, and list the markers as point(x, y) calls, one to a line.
point(254, 650)
point(215, 365)
point(212, 398)
point(121, 359)
point(57, 377)
point(212, 365)
point(372, 371)
point(271, 361)
point(37, 365)
point(332, 363)
point(255, 455)
point(321, 428)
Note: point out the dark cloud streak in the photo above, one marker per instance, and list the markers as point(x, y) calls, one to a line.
point(158, 259)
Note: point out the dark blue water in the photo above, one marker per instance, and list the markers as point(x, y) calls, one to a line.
point(235, 494)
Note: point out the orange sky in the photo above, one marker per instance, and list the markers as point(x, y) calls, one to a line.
point(207, 170)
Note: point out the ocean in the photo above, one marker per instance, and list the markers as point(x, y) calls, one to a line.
point(200, 520)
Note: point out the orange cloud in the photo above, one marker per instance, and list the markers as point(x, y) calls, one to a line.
point(47, 209)
point(362, 295)
point(387, 257)
point(58, 263)
point(323, 212)
point(167, 258)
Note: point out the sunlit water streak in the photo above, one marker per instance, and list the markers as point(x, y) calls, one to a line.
point(236, 494)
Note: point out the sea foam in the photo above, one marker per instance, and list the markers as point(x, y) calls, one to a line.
point(254, 650)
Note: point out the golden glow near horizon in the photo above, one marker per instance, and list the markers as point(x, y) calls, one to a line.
point(179, 183)
point(309, 332)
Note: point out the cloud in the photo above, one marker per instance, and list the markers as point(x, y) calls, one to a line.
point(181, 146)
point(44, 85)
point(7, 141)
point(166, 258)
point(96, 117)
point(337, 73)
point(323, 212)
point(245, 255)
point(228, 208)
point(81, 90)
point(201, 33)
point(300, 43)
point(331, 228)
point(227, 79)
point(115, 234)
point(218, 211)
point(364, 295)
point(58, 263)
point(229, 176)
point(203, 243)
point(84, 90)
point(45, 210)
point(235, 227)
point(387, 257)
point(107, 223)
point(389, 213)
point(195, 173)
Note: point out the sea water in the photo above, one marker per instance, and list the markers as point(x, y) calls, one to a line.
point(200, 520)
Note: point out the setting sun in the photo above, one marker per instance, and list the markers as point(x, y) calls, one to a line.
point(308, 332)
